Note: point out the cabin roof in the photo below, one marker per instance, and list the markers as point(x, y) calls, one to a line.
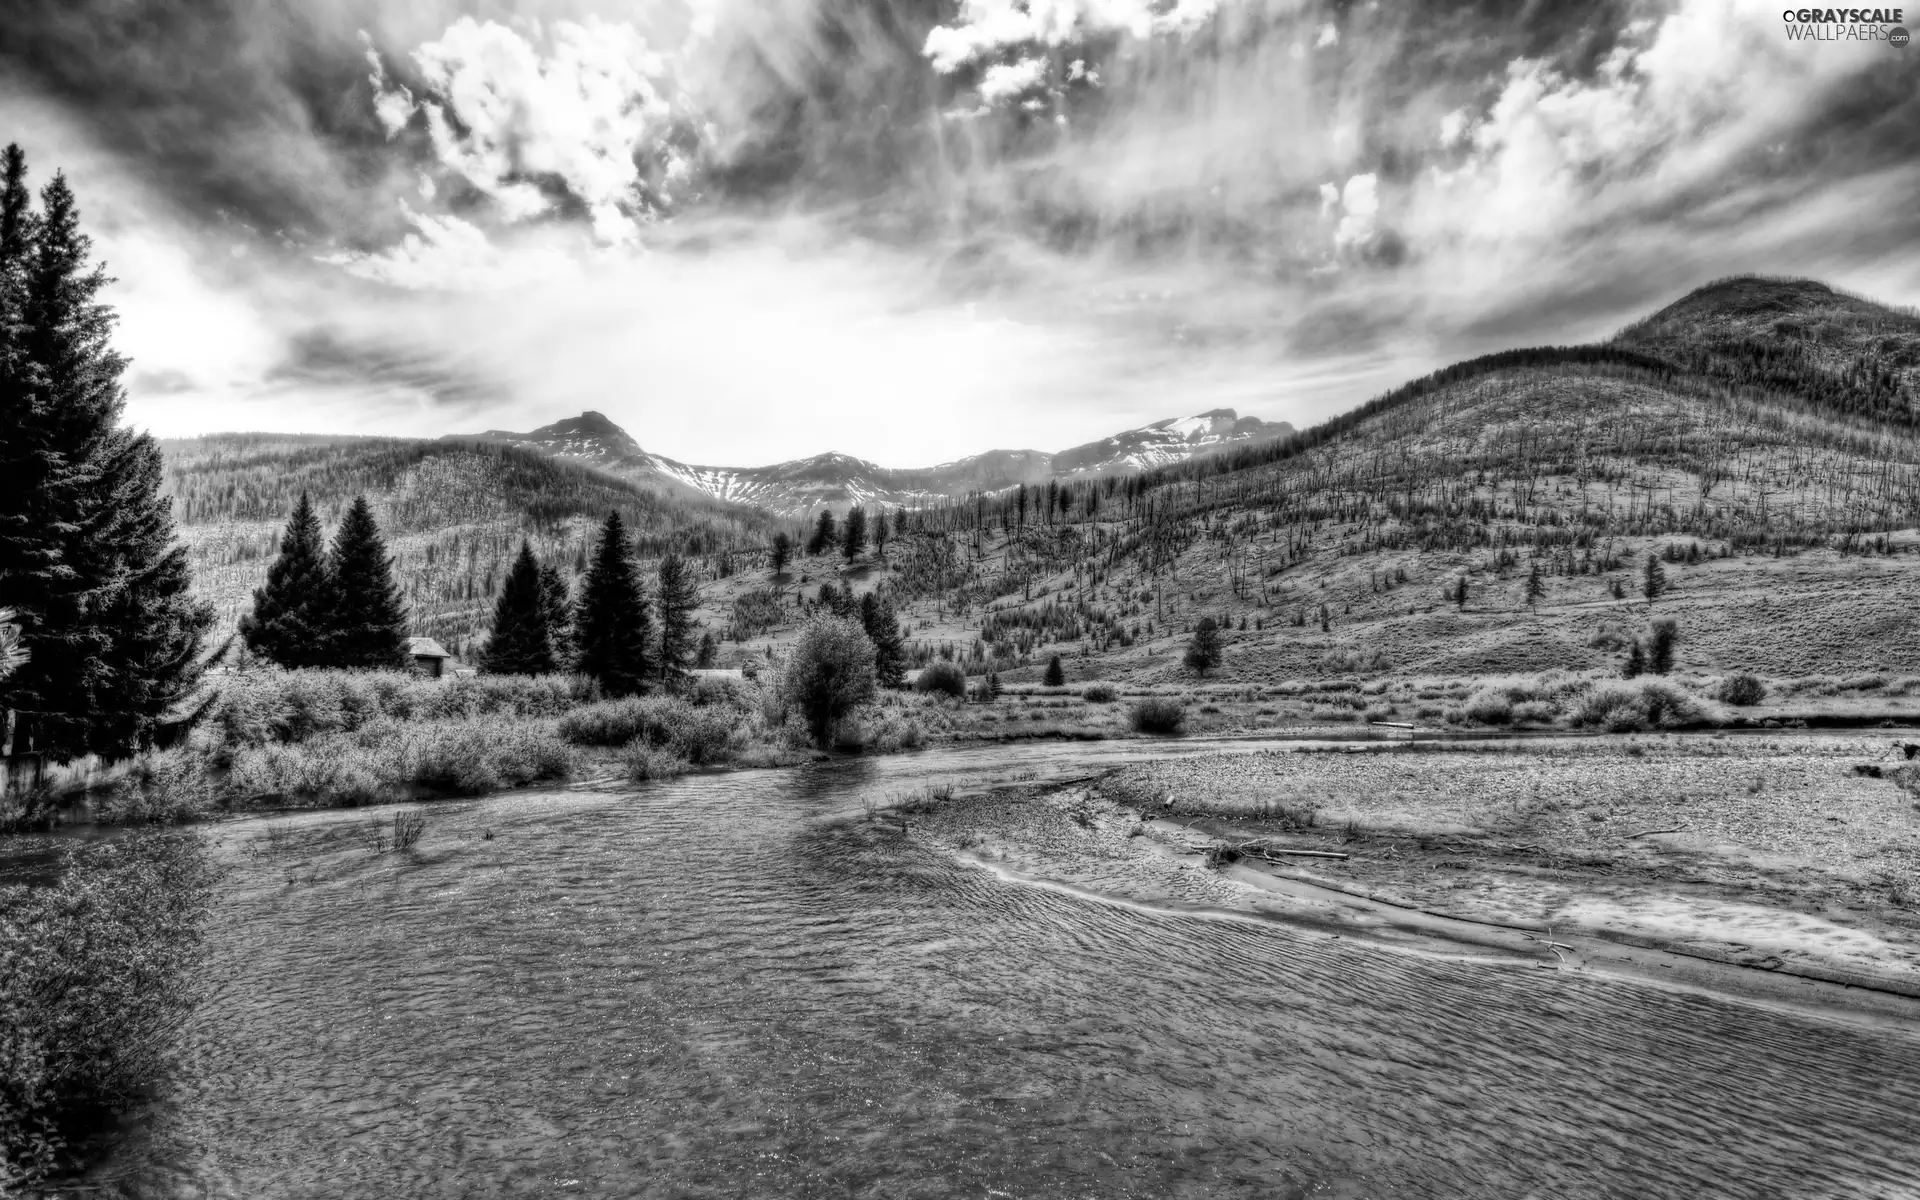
point(425, 647)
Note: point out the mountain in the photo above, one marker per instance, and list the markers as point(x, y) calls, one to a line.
point(839, 481)
point(1754, 440)
point(454, 514)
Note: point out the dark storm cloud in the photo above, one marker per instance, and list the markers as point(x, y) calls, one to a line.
point(252, 112)
point(330, 359)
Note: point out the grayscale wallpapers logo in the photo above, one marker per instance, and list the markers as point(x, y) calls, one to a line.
point(1847, 25)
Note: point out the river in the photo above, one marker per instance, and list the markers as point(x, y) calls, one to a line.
point(731, 986)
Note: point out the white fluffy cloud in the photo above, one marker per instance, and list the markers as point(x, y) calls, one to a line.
point(987, 28)
point(508, 110)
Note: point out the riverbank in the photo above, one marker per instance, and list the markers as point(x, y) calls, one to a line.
point(1745, 864)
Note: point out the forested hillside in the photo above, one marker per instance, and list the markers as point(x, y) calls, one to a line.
point(454, 514)
point(1781, 508)
point(1781, 504)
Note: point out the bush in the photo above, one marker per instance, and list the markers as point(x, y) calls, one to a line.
point(644, 762)
point(943, 677)
point(1647, 703)
point(1158, 715)
point(1489, 706)
point(1742, 689)
point(1099, 693)
point(828, 674)
point(96, 974)
point(160, 788)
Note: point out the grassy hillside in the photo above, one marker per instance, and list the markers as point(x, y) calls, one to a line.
point(454, 514)
point(1783, 512)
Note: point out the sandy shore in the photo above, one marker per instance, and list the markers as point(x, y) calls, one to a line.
point(1780, 870)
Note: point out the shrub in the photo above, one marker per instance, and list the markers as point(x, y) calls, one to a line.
point(1099, 693)
point(1489, 706)
point(160, 788)
point(829, 673)
point(96, 974)
point(1533, 712)
point(407, 830)
point(945, 678)
point(1743, 689)
point(1156, 714)
point(644, 762)
point(1647, 703)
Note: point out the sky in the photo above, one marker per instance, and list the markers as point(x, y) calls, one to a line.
point(911, 230)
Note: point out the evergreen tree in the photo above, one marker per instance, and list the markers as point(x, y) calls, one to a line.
point(882, 623)
point(613, 632)
point(709, 651)
point(87, 553)
point(1056, 675)
point(291, 621)
point(853, 537)
point(369, 620)
point(823, 533)
point(782, 552)
point(1203, 651)
point(1536, 587)
point(1636, 664)
point(558, 599)
point(881, 533)
point(1460, 593)
point(1653, 581)
point(1661, 637)
point(679, 597)
point(522, 639)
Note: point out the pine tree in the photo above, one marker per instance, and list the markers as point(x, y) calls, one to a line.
point(782, 552)
point(558, 600)
point(679, 597)
point(1653, 581)
point(87, 552)
point(1536, 587)
point(853, 536)
point(823, 533)
point(522, 639)
point(882, 623)
point(881, 533)
point(613, 631)
point(369, 620)
point(1636, 664)
point(291, 621)
point(709, 651)
point(1661, 637)
point(1056, 675)
point(1203, 651)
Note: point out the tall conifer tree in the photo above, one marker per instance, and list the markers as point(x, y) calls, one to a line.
point(679, 597)
point(612, 629)
point(853, 538)
point(558, 599)
point(292, 618)
point(369, 622)
point(882, 623)
point(87, 555)
point(522, 641)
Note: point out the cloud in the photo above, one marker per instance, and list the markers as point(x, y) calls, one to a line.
point(575, 106)
point(746, 223)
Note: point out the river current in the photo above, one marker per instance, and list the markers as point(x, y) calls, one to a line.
point(733, 986)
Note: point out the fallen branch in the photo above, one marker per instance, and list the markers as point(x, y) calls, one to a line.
point(1651, 832)
point(1265, 851)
